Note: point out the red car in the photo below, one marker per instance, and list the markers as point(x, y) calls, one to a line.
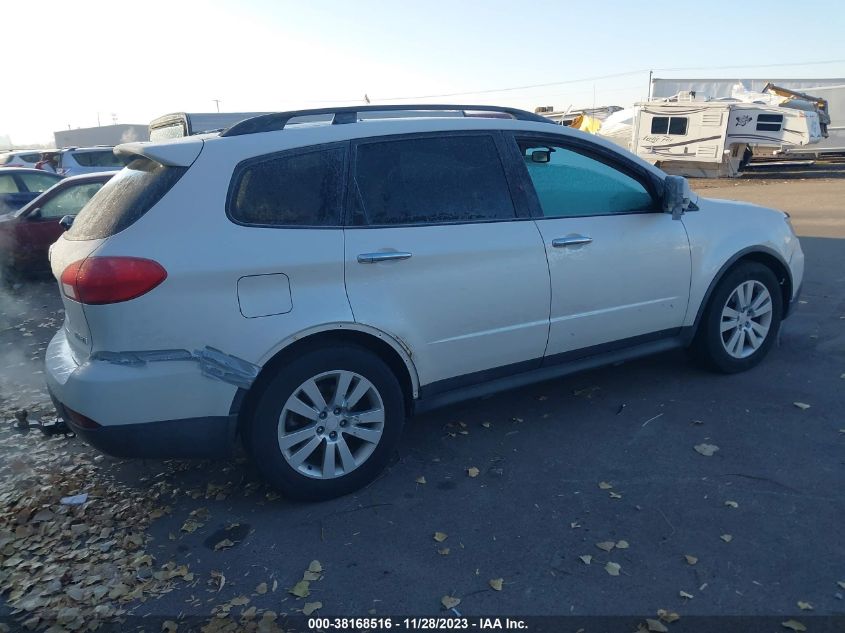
point(26, 234)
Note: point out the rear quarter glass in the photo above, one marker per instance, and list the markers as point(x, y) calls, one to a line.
point(124, 199)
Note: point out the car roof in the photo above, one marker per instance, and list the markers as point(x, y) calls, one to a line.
point(25, 170)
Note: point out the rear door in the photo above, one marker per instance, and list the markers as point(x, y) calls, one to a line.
point(619, 266)
point(440, 256)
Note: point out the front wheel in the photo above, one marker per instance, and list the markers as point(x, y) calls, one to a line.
point(742, 319)
point(327, 423)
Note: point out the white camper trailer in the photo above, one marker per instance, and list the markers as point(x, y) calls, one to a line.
point(691, 136)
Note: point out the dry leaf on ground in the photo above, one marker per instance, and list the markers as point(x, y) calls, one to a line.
point(732, 504)
point(310, 607)
point(586, 558)
point(301, 589)
point(691, 560)
point(802, 405)
point(706, 449)
point(450, 602)
point(622, 545)
point(667, 616)
point(656, 626)
point(473, 471)
point(496, 583)
point(420, 480)
point(727, 538)
point(440, 536)
point(605, 486)
point(686, 595)
point(606, 545)
point(795, 625)
point(613, 568)
point(805, 606)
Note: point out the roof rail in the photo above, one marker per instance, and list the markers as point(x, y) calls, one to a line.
point(349, 114)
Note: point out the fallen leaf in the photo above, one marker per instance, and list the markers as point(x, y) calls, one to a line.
point(486, 425)
point(315, 566)
point(615, 495)
point(691, 560)
point(605, 486)
point(440, 536)
point(225, 543)
point(261, 588)
point(606, 545)
point(496, 583)
point(656, 626)
point(420, 480)
point(667, 616)
point(795, 625)
point(574, 525)
point(310, 575)
point(473, 471)
point(301, 589)
point(450, 602)
point(310, 607)
point(802, 405)
point(169, 626)
point(586, 558)
point(622, 545)
point(613, 568)
point(706, 449)
point(841, 584)
point(727, 538)
point(805, 606)
point(444, 551)
point(732, 504)
point(686, 595)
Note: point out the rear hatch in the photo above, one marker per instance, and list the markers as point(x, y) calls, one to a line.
point(152, 172)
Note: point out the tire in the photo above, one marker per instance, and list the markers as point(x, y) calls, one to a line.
point(731, 344)
point(308, 448)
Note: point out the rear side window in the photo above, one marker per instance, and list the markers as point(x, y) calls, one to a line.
point(105, 158)
point(301, 189)
point(430, 181)
point(124, 199)
point(38, 182)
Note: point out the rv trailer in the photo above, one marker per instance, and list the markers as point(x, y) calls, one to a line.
point(691, 136)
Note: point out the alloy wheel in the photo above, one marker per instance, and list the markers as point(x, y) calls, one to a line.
point(746, 319)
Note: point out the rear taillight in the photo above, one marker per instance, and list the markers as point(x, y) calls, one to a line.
point(101, 280)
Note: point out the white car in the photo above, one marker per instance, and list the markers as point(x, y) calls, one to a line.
point(88, 160)
point(306, 287)
point(22, 157)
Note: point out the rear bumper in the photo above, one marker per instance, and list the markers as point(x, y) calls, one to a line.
point(155, 410)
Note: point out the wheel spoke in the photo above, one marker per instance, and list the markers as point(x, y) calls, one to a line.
point(329, 460)
point(742, 300)
point(730, 313)
point(370, 417)
point(764, 308)
point(759, 329)
point(728, 325)
point(753, 339)
point(361, 388)
point(368, 435)
point(297, 437)
point(305, 452)
point(343, 382)
point(731, 345)
point(761, 299)
point(295, 405)
point(313, 391)
point(345, 454)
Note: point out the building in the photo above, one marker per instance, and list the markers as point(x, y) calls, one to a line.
point(101, 135)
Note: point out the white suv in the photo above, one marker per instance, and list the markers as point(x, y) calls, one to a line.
point(89, 160)
point(307, 287)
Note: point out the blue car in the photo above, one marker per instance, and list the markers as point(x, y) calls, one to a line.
point(19, 185)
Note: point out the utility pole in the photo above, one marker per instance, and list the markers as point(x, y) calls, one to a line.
point(217, 103)
point(649, 85)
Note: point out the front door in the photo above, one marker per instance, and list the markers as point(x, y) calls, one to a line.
point(620, 268)
point(438, 256)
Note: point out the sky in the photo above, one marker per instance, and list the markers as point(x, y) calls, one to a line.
point(95, 60)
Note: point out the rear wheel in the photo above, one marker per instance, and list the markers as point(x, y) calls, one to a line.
point(327, 423)
point(742, 319)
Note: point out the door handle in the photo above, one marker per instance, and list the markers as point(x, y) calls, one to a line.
point(372, 258)
point(572, 240)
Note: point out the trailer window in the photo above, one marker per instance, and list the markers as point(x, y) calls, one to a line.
point(769, 122)
point(676, 125)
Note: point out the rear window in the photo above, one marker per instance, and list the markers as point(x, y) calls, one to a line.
point(124, 199)
point(105, 158)
point(302, 189)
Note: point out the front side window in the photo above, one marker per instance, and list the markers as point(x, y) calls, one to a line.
point(430, 180)
point(70, 201)
point(570, 184)
point(769, 122)
point(302, 189)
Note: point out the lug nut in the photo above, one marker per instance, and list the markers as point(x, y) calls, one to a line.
point(320, 430)
point(337, 410)
point(343, 423)
point(322, 415)
point(333, 435)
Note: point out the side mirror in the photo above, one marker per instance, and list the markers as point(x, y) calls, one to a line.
point(35, 214)
point(66, 222)
point(676, 196)
point(541, 156)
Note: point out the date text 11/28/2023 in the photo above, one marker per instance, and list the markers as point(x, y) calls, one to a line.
point(317, 625)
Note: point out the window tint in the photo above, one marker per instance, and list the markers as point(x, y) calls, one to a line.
point(70, 201)
point(124, 199)
point(669, 125)
point(38, 182)
point(8, 184)
point(769, 122)
point(571, 184)
point(104, 158)
point(431, 180)
point(293, 190)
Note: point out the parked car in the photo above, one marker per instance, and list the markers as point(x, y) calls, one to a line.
point(21, 158)
point(26, 234)
point(308, 287)
point(19, 185)
point(88, 160)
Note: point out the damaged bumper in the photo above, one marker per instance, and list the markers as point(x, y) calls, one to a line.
point(108, 400)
